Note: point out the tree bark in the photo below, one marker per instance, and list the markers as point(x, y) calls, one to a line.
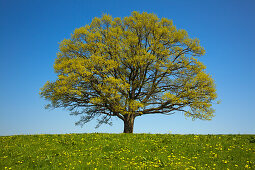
point(128, 123)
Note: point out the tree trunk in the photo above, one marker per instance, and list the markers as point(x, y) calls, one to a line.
point(128, 123)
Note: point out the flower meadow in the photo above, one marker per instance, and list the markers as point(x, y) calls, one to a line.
point(127, 151)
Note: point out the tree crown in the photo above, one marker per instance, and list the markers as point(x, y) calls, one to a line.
point(133, 66)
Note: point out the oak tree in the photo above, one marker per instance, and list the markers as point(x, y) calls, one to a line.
point(129, 67)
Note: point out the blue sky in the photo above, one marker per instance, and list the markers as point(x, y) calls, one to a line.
point(31, 30)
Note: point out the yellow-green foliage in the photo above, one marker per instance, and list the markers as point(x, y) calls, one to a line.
point(133, 65)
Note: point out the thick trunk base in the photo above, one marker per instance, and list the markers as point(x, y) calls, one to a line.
point(128, 124)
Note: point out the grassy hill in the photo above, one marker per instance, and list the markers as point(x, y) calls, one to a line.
point(127, 151)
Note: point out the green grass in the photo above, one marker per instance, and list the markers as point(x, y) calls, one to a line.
point(127, 151)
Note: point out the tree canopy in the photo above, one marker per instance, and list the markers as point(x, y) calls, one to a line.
point(129, 67)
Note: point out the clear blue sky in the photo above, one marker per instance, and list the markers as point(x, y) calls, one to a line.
point(30, 31)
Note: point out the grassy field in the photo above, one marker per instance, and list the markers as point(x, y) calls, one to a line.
point(127, 151)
